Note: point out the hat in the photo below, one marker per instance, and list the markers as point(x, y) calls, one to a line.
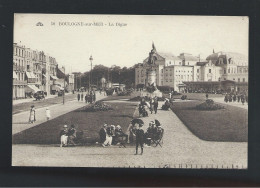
point(113, 126)
point(65, 126)
point(118, 126)
point(32, 106)
point(105, 125)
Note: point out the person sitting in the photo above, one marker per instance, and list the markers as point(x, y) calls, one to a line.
point(109, 135)
point(64, 136)
point(166, 105)
point(72, 135)
point(120, 135)
point(149, 133)
point(113, 134)
point(102, 134)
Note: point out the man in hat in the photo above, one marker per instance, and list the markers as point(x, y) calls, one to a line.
point(139, 138)
point(64, 136)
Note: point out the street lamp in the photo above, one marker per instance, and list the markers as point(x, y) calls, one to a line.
point(64, 87)
point(90, 75)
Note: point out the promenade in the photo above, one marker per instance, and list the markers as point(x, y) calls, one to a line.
point(181, 149)
point(20, 121)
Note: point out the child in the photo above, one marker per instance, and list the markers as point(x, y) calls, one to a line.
point(48, 114)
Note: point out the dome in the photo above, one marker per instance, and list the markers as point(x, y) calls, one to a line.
point(237, 58)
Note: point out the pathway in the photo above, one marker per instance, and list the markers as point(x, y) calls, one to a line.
point(20, 120)
point(181, 149)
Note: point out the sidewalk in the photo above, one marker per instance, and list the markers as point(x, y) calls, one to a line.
point(19, 101)
point(237, 104)
point(20, 121)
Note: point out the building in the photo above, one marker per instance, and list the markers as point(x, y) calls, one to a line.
point(19, 71)
point(220, 71)
point(33, 70)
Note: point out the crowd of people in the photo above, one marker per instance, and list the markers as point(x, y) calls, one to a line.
point(114, 135)
point(152, 105)
point(89, 97)
point(236, 97)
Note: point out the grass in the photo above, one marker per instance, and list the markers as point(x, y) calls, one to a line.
point(89, 122)
point(227, 125)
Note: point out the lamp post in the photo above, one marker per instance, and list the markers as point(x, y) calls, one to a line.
point(90, 75)
point(64, 87)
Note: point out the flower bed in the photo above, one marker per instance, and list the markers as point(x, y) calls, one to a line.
point(98, 106)
point(209, 105)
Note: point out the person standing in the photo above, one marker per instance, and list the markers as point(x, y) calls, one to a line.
point(48, 114)
point(207, 96)
point(151, 105)
point(86, 98)
point(78, 96)
point(32, 118)
point(139, 139)
point(94, 96)
point(155, 104)
point(82, 96)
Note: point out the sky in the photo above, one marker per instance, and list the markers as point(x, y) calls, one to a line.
point(125, 40)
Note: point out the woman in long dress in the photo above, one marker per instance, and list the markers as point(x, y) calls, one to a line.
point(32, 115)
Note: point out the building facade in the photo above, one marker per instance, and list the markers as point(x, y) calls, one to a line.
point(220, 71)
point(32, 71)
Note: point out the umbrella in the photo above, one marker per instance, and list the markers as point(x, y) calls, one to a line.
point(138, 121)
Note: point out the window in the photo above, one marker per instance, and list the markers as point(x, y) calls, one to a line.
point(234, 79)
point(181, 76)
point(238, 79)
point(28, 67)
point(244, 79)
point(228, 70)
point(198, 70)
point(180, 63)
point(166, 80)
point(225, 71)
point(209, 70)
point(162, 70)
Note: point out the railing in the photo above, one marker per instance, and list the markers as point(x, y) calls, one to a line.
point(18, 68)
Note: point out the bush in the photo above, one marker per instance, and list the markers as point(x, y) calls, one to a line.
point(209, 105)
point(98, 106)
point(165, 89)
point(184, 97)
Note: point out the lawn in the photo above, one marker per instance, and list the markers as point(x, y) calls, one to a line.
point(89, 122)
point(228, 125)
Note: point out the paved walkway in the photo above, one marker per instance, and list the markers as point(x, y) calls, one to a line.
point(20, 121)
point(181, 149)
point(237, 104)
point(19, 101)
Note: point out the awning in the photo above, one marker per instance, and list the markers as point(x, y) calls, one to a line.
point(15, 75)
point(30, 75)
point(31, 88)
point(54, 77)
point(56, 88)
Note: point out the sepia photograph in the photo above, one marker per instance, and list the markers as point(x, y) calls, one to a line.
point(130, 91)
